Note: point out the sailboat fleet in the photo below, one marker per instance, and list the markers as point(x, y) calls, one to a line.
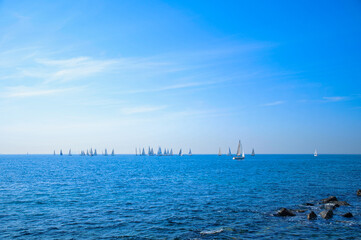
point(160, 152)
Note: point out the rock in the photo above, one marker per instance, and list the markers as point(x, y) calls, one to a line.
point(309, 204)
point(329, 199)
point(284, 212)
point(341, 203)
point(312, 216)
point(330, 206)
point(300, 210)
point(347, 215)
point(359, 192)
point(326, 214)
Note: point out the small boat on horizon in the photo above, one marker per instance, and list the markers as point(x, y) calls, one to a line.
point(219, 152)
point(229, 152)
point(253, 153)
point(240, 152)
point(113, 152)
point(69, 152)
point(61, 152)
point(315, 153)
point(190, 152)
point(180, 152)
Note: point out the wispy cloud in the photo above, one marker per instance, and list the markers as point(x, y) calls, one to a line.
point(23, 92)
point(273, 103)
point(335, 99)
point(141, 109)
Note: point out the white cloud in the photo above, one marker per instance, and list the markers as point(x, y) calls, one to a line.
point(22, 91)
point(274, 103)
point(334, 99)
point(141, 109)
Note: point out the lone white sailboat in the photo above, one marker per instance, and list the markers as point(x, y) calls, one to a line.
point(315, 154)
point(219, 152)
point(240, 152)
point(253, 154)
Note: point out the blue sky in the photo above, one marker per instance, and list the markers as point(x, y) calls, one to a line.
point(282, 76)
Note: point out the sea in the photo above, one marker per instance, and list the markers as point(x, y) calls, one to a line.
point(176, 197)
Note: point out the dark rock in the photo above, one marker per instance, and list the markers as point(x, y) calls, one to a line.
point(326, 214)
point(284, 212)
point(329, 199)
point(309, 204)
point(311, 216)
point(359, 192)
point(347, 215)
point(341, 203)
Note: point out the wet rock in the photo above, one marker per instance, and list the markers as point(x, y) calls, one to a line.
point(347, 215)
point(326, 214)
point(312, 216)
point(329, 206)
point(359, 192)
point(329, 199)
point(341, 203)
point(284, 212)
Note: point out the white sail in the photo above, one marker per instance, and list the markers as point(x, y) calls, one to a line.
point(242, 153)
point(229, 152)
point(219, 152)
point(69, 152)
point(143, 152)
point(315, 154)
point(165, 152)
point(91, 152)
point(105, 152)
point(171, 152)
point(239, 148)
point(159, 152)
point(190, 152)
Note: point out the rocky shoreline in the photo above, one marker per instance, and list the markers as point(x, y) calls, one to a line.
point(325, 208)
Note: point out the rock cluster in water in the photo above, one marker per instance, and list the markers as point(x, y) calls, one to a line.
point(325, 206)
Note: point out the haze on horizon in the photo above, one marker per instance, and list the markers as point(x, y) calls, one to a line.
point(282, 76)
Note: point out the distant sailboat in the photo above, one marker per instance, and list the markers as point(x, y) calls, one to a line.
point(180, 152)
point(240, 152)
point(136, 151)
point(54, 152)
point(91, 152)
point(219, 152)
point(87, 152)
point(165, 152)
point(190, 152)
point(171, 152)
point(315, 154)
point(229, 152)
point(113, 152)
point(70, 152)
point(143, 152)
point(61, 152)
point(253, 154)
point(159, 153)
point(105, 152)
point(95, 152)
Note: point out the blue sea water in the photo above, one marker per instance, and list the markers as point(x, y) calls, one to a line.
point(189, 197)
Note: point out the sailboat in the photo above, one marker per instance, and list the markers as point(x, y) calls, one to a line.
point(136, 151)
point(70, 152)
point(219, 152)
point(61, 152)
point(190, 152)
point(239, 156)
point(229, 152)
point(54, 152)
point(171, 152)
point(95, 152)
point(159, 152)
point(113, 152)
point(253, 154)
point(315, 154)
point(165, 152)
point(105, 152)
point(91, 152)
point(180, 152)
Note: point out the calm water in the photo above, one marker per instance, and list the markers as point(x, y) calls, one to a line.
point(204, 197)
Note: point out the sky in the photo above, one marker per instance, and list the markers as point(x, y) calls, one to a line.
point(281, 76)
